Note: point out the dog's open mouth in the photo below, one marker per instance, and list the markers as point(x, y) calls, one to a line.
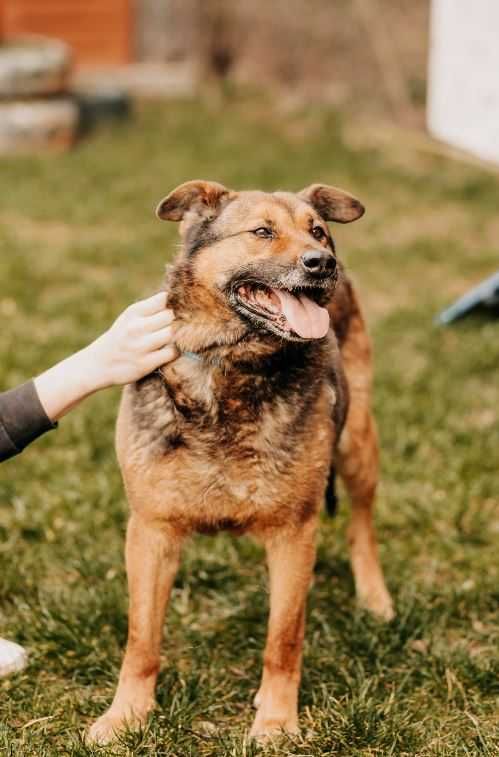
point(292, 312)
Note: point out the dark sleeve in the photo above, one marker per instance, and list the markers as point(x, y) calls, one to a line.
point(22, 419)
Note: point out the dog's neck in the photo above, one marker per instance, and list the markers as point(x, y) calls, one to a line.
point(223, 357)
point(205, 383)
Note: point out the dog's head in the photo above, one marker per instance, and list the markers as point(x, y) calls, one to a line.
point(257, 263)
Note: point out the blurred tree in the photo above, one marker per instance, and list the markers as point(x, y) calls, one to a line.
point(367, 52)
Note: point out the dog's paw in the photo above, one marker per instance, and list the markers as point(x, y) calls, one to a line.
point(108, 727)
point(379, 603)
point(105, 730)
point(267, 728)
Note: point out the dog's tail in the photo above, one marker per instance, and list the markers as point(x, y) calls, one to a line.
point(331, 497)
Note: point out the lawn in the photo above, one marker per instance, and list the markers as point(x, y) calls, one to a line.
point(78, 242)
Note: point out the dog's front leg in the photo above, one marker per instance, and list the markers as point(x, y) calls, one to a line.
point(291, 557)
point(152, 558)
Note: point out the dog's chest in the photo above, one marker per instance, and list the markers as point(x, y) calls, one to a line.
point(235, 444)
point(206, 413)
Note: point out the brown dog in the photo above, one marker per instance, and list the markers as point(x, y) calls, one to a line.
point(241, 432)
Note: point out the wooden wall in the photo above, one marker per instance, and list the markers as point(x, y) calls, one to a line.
point(99, 31)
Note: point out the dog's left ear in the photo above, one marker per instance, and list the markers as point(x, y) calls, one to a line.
point(202, 197)
point(332, 204)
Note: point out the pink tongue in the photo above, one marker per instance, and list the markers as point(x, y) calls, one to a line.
point(305, 317)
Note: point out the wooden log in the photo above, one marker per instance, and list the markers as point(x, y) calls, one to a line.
point(38, 125)
point(33, 66)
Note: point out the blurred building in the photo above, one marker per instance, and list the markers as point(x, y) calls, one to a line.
point(97, 31)
point(463, 86)
point(104, 32)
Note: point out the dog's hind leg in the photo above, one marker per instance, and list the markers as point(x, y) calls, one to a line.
point(357, 463)
point(291, 557)
point(152, 557)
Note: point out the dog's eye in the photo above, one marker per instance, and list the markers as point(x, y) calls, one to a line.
point(263, 232)
point(318, 233)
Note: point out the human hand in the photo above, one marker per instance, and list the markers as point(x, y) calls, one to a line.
point(139, 341)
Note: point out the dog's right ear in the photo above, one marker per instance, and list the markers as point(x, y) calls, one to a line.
point(206, 198)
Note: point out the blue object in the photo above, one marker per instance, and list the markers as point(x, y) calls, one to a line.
point(192, 355)
point(486, 294)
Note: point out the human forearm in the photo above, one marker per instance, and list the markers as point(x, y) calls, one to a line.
point(139, 341)
point(66, 384)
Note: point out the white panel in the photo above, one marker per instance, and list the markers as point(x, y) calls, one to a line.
point(463, 97)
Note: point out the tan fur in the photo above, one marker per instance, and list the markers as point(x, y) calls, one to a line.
point(244, 437)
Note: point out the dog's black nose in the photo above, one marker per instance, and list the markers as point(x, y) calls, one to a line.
point(318, 262)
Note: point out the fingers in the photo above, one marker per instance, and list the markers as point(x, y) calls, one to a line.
point(158, 320)
point(158, 339)
point(151, 305)
point(162, 356)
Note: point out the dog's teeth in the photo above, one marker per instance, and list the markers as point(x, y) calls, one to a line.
point(262, 298)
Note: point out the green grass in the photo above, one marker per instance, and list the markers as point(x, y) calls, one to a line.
point(78, 241)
